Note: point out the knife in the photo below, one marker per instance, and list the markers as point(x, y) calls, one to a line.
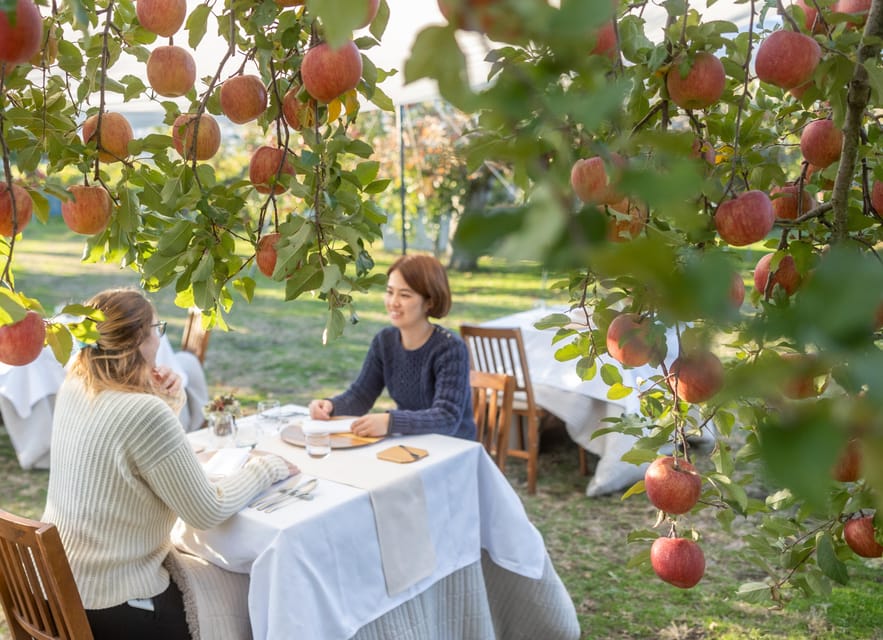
point(303, 494)
point(413, 454)
point(293, 484)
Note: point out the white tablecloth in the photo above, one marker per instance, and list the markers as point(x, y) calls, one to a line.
point(582, 404)
point(316, 569)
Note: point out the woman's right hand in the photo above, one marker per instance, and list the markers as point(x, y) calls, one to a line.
point(321, 409)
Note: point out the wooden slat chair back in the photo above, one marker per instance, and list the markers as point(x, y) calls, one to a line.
point(501, 350)
point(37, 589)
point(195, 337)
point(492, 395)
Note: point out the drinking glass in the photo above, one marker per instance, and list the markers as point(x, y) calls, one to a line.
point(247, 433)
point(223, 428)
point(318, 443)
point(268, 411)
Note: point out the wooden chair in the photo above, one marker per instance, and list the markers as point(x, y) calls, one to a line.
point(195, 338)
point(37, 589)
point(501, 350)
point(492, 395)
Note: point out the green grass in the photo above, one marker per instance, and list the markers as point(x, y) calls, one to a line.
point(275, 347)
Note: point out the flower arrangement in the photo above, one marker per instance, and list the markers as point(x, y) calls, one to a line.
point(224, 403)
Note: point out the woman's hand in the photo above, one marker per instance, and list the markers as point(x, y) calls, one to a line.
point(168, 382)
point(373, 424)
point(321, 409)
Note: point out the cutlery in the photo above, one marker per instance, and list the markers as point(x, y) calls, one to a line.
point(415, 456)
point(288, 486)
point(303, 492)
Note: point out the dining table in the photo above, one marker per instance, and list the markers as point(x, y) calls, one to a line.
point(400, 534)
point(584, 404)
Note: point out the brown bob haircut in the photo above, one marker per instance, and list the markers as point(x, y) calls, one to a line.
point(427, 277)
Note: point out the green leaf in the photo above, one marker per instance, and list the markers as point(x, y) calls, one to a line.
point(635, 489)
point(618, 391)
point(338, 17)
point(436, 55)
point(827, 559)
point(197, 23)
point(754, 592)
point(610, 374)
point(367, 171)
point(60, 341)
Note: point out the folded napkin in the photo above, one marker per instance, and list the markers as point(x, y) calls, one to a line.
point(226, 461)
point(326, 426)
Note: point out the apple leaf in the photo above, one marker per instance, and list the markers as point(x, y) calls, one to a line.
point(827, 559)
point(618, 391)
point(635, 489)
point(754, 591)
point(610, 374)
point(639, 559)
point(197, 23)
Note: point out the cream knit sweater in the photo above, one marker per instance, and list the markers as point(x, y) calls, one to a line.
point(122, 471)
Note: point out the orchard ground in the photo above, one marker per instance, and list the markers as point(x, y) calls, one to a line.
point(275, 348)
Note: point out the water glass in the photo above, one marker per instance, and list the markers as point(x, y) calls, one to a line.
point(268, 411)
point(246, 433)
point(223, 428)
point(318, 443)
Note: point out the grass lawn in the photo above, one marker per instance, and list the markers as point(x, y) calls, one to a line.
point(275, 348)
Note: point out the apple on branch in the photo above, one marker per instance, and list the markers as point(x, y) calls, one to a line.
point(785, 201)
point(208, 135)
point(116, 134)
point(88, 210)
point(696, 376)
point(672, 484)
point(849, 463)
point(263, 169)
point(628, 221)
point(21, 342)
point(677, 561)
point(785, 276)
point(162, 17)
point(299, 115)
point(630, 340)
point(243, 98)
point(171, 71)
point(329, 73)
point(265, 253)
point(821, 143)
point(593, 183)
point(787, 59)
point(20, 41)
point(860, 536)
point(696, 83)
point(24, 207)
point(745, 219)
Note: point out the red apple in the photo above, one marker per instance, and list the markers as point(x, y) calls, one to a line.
point(605, 41)
point(171, 71)
point(672, 485)
point(784, 201)
point(705, 150)
point(737, 290)
point(849, 464)
point(88, 211)
point(264, 167)
point(786, 275)
point(22, 40)
point(699, 86)
point(24, 207)
point(859, 535)
point(208, 135)
point(697, 376)
point(810, 12)
point(630, 340)
point(877, 196)
point(116, 134)
point(677, 561)
point(21, 342)
point(243, 98)
point(630, 223)
point(299, 115)
point(328, 73)
point(800, 382)
point(787, 59)
point(591, 181)
point(861, 8)
point(821, 142)
point(265, 254)
point(162, 17)
point(746, 219)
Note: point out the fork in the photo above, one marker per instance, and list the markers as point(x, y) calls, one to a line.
point(277, 493)
point(302, 491)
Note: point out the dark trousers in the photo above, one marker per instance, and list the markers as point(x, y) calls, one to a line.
point(166, 621)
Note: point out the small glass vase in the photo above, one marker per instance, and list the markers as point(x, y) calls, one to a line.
point(223, 428)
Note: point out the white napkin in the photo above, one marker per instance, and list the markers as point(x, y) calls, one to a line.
point(226, 461)
point(326, 426)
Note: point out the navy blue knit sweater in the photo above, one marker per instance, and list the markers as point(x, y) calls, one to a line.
point(429, 385)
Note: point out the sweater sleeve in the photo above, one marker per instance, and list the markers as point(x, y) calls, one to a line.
point(450, 396)
point(364, 391)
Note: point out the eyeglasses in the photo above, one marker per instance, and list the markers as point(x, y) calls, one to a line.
point(160, 328)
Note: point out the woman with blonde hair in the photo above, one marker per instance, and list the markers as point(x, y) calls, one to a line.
point(122, 471)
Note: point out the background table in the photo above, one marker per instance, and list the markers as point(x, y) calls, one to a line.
point(583, 404)
point(316, 567)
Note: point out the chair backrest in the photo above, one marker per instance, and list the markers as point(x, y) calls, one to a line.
point(195, 338)
point(37, 589)
point(492, 408)
point(501, 350)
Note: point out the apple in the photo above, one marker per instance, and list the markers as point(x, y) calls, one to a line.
point(299, 115)
point(705, 150)
point(737, 290)
point(21, 342)
point(19, 42)
point(630, 341)
point(208, 135)
point(265, 254)
point(677, 561)
point(745, 219)
point(116, 134)
point(784, 201)
point(696, 376)
point(821, 142)
point(699, 86)
point(630, 224)
point(877, 196)
point(859, 535)
point(264, 167)
point(328, 73)
point(849, 464)
point(591, 181)
point(24, 207)
point(811, 13)
point(787, 59)
point(88, 210)
point(823, 182)
point(605, 41)
point(786, 275)
point(800, 382)
point(861, 8)
point(672, 485)
point(243, 98)
point(171, 71)
point(162, 17)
